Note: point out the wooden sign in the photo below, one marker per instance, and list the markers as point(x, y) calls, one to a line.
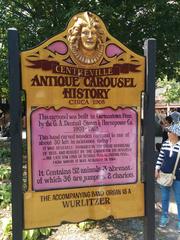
point(83, 93)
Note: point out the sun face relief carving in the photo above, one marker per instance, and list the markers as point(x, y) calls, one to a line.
point(86, 39)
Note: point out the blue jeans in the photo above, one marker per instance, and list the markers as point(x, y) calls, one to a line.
point(165, 192)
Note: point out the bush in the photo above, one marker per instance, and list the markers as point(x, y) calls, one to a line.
point(35, 234)
point(5, 194)
point(5, 172)
point(7, 229)
point(5, 155)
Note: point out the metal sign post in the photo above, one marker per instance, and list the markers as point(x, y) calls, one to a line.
point(149, 135)
point(16, 139)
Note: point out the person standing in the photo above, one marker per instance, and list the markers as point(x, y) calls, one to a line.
point(165, 162)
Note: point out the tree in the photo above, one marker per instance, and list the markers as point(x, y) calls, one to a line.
point(171, 90)
point(131, 22)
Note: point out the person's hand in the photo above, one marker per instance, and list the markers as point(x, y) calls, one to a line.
point(156, 174)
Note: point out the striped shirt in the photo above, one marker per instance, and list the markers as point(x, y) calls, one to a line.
point(167, 158)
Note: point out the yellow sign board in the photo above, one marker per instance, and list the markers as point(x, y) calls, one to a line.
point(83, 93)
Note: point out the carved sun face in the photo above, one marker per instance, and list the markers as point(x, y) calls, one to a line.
point(89, 37)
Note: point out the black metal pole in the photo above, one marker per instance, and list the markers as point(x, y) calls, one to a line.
point(149, 136)
point(15, 133)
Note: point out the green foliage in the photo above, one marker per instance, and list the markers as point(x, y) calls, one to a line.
point(5, 194)
point(7, 229)
point(35, 234)
point(172, 90)
point(86, 225)
point(5, 172)
point(5, 155)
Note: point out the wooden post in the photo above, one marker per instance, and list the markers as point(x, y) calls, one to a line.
point(15, 133)
point(149, 136)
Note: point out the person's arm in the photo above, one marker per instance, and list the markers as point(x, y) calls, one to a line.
point(159, 162)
